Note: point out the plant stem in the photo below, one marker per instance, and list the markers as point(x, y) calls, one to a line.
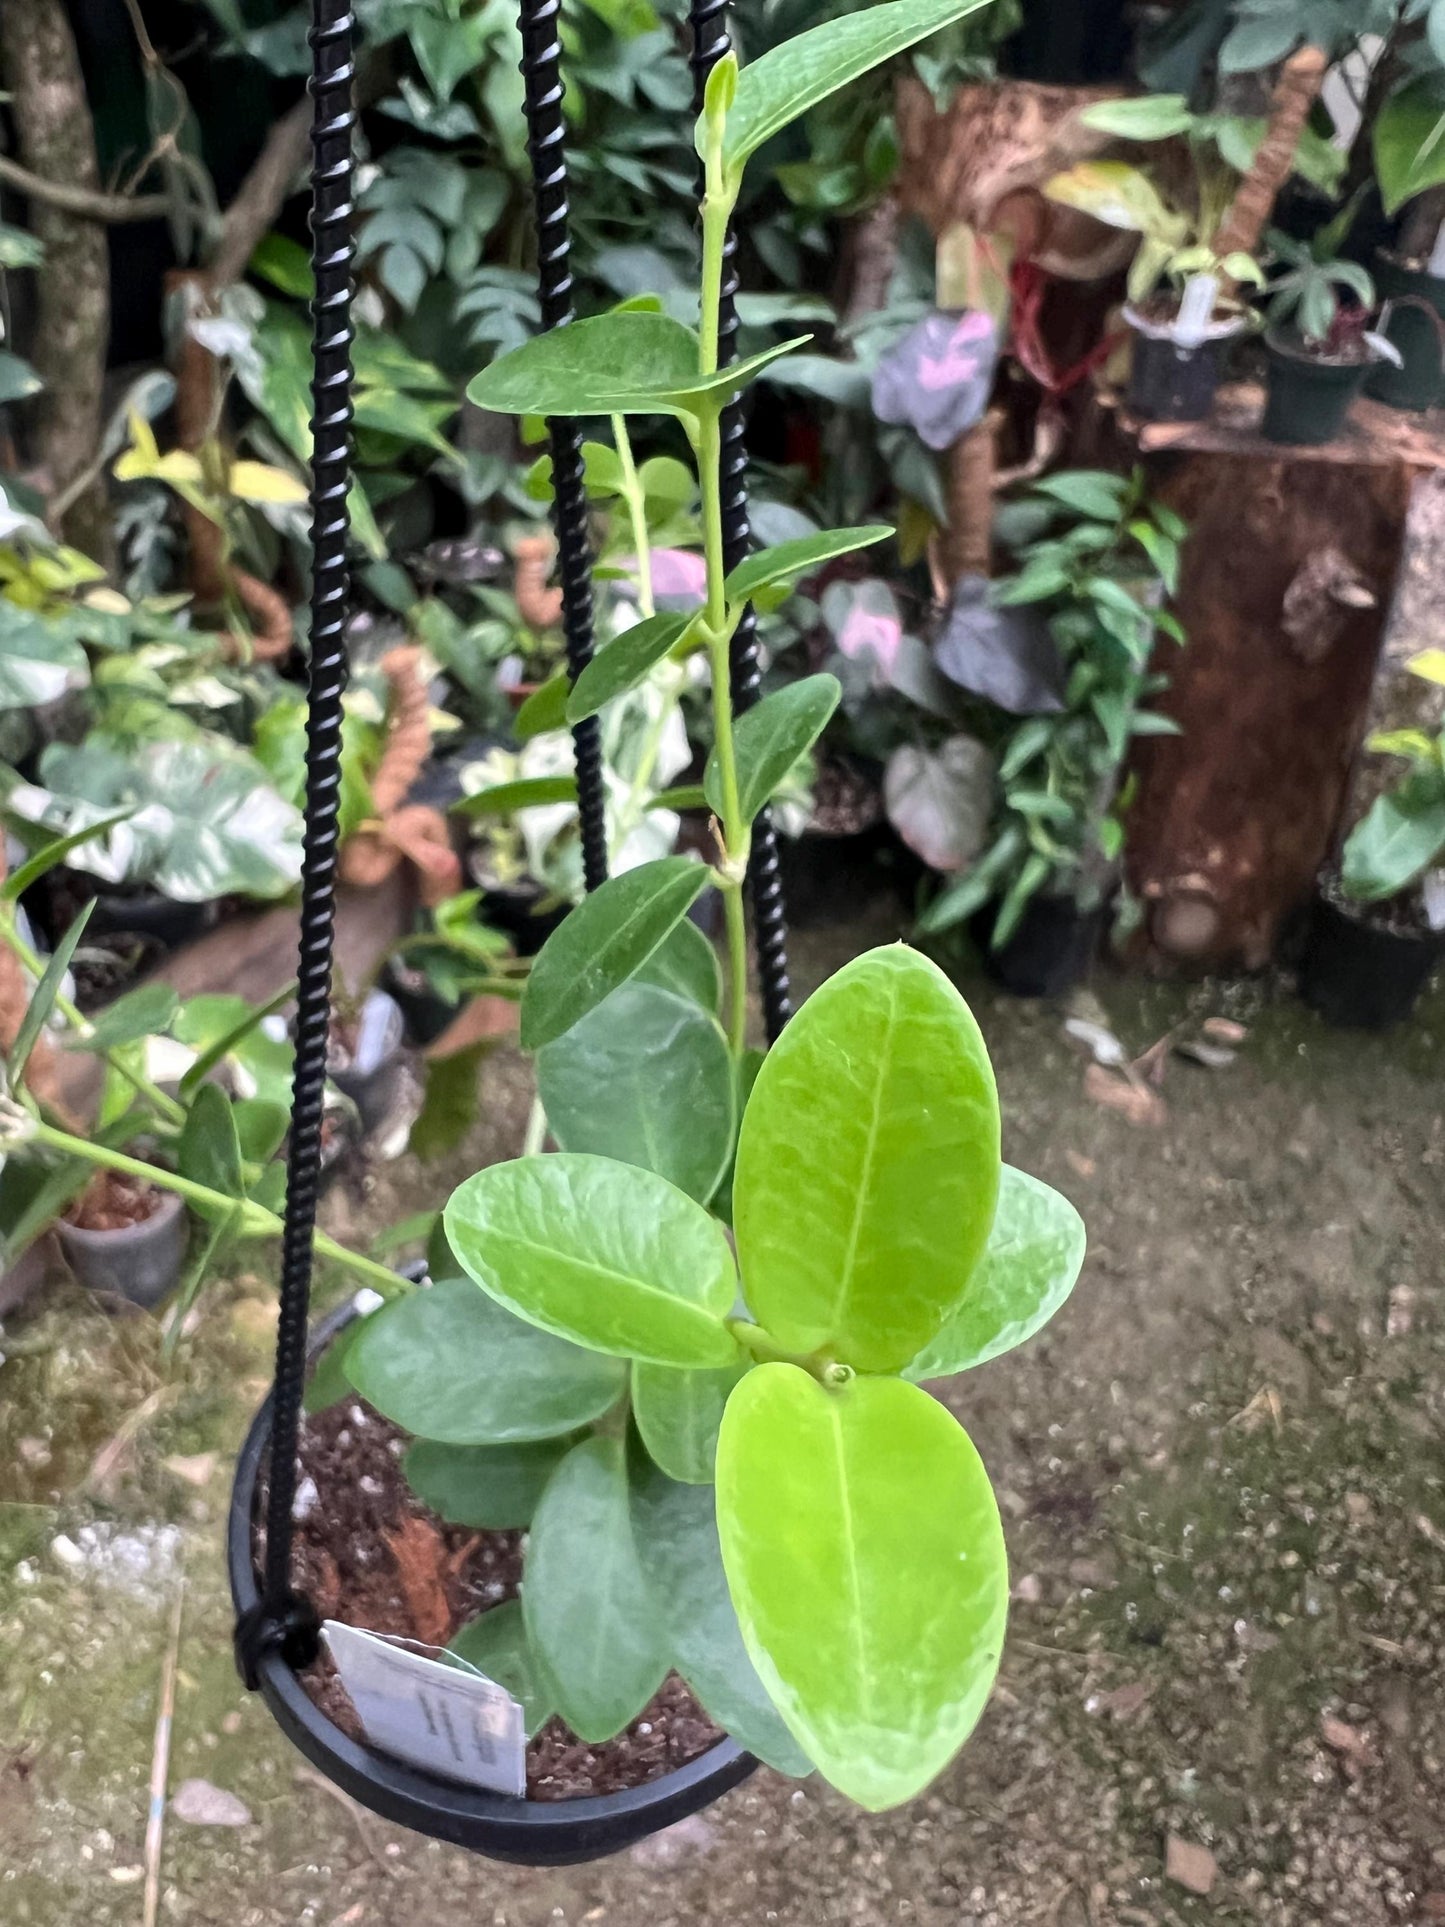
point(256, 1221)
point(636, 514)
point(31, 961)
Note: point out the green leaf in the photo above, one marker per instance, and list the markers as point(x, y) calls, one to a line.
point(497, 1645)
point(798, 557)
point(1087, 491)
point(544, 710)
point(771, 737)
point(799, 73)
point(451, 1100)
point(1399, 838)
point(604, 941)
point(209, 1151)
point(647, 1078)
point(677, 1542)
point(1120, 196)
point(231, 1038)
point(1410, 141)
point(678, 1414)
point(143, 1012)
point(42, 999)
point(53, 854)
point(686, 963)
point(601, 1252)
point(866, 1561)
point(527, 793)
point(858, 1224)
point(1152, 117)
point(493, 1488)
point(1028, 1269)
point(593, 1623)
point(623, 663)
point(330, 1381)
point(18, 380)
point(449, 1363)
point(614, 364)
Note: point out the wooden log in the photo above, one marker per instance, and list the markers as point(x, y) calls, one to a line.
point(1288, 578)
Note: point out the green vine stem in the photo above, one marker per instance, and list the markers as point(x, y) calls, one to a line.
point(30, 960)
point(255, 1220)
point(632, 495)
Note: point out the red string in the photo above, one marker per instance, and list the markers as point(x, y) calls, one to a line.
point(1027, 285)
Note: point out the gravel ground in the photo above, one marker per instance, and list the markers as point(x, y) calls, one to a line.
point(1221, 1473)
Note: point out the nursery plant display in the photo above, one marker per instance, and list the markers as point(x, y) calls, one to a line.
point(1378, 926)
point(1320, 349)
point(1100, 571)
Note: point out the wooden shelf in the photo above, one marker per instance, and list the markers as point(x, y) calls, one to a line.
point(1375, 436)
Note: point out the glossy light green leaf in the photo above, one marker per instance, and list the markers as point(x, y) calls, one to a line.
point(866, 1561)
point(678, 1414)
point(491, 1487)
point(771, 737)
point(622, 664)
point(677, 1542)
point(1029, 1266)
point(593, 1622)
point(544, 710)
point(497, 1644)
point(646, 1078)
point(450, 1363)
point(795, 75)
point(1409, 141)
point(209, 1151)
point(601, 1252)
point(604, 941)
point(798, 557)
point(528, 792)
point(143, 1012)
point(1397, 840)
point(613, 364)
point(686, 963)
point(868, 1164)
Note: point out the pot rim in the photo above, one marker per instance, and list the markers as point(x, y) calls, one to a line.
point(541, 1833)
point(1223, 328)
point(1278, 343)
point(120, 1235)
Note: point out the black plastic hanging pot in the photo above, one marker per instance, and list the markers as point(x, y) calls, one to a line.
point(277, 1631)
point(1050, 953)
point(1416, 325)
point(534, 1833)
point(1170, 381)
point(1362, 975)
point(1307, 399)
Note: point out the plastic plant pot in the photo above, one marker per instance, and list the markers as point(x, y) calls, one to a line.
point(1308, 399)
point(146, 913)
point(138, 1262)
point(371, 1076)
point(1050, 953)
point(425, 1012)
point(529, 1833)
point(1361, 975)
point(1170, 381)
point(1416, 325)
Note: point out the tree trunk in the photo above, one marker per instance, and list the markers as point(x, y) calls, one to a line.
point(1300, 81)
point(72, 317)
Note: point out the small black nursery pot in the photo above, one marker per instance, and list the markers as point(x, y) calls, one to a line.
point(1174, 381)
point(1308, 397)
point(1050, 953)
point(1363, 975)
point(529, 1833)
point(138, 1262)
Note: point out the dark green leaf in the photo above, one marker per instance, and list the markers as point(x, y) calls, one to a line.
point(450, 1101)
point(144, 1012)
point(42, 999)
point(645, 1077)
point(1392, 846)
point(678, 1414)
point(1410, 141)
point(687, 964)
point(590, 1613)
point(866, 1561)
point(450, 1363)
point(330, 1381)
point(604, 941)
point(1087, 491)
point(493, 1488)
point(799, 557)
point(677, 1542)
point(525, 794)
point(498, 1646)
point(209, 1152)
point(601, 1252)
point(623, 663)
point(1028, 1269)
point(544, 710)
point(771, 737)
point(856, 1229)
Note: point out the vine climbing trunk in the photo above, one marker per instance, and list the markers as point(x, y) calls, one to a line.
point(41, 71)
point(1296, 91)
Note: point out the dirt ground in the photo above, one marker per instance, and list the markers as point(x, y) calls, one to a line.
point(1224, 1488)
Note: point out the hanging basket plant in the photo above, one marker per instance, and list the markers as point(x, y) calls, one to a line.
point(684, 1351)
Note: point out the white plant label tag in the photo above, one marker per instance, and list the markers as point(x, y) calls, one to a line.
point(439, 1714)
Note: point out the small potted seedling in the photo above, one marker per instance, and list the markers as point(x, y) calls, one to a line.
point(1378, 924)
point(685, 1349)
point(1320, 347)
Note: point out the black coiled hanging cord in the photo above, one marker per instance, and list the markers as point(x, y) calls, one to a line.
point(547, 149)
point(283, 1621)
point(710, 41)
